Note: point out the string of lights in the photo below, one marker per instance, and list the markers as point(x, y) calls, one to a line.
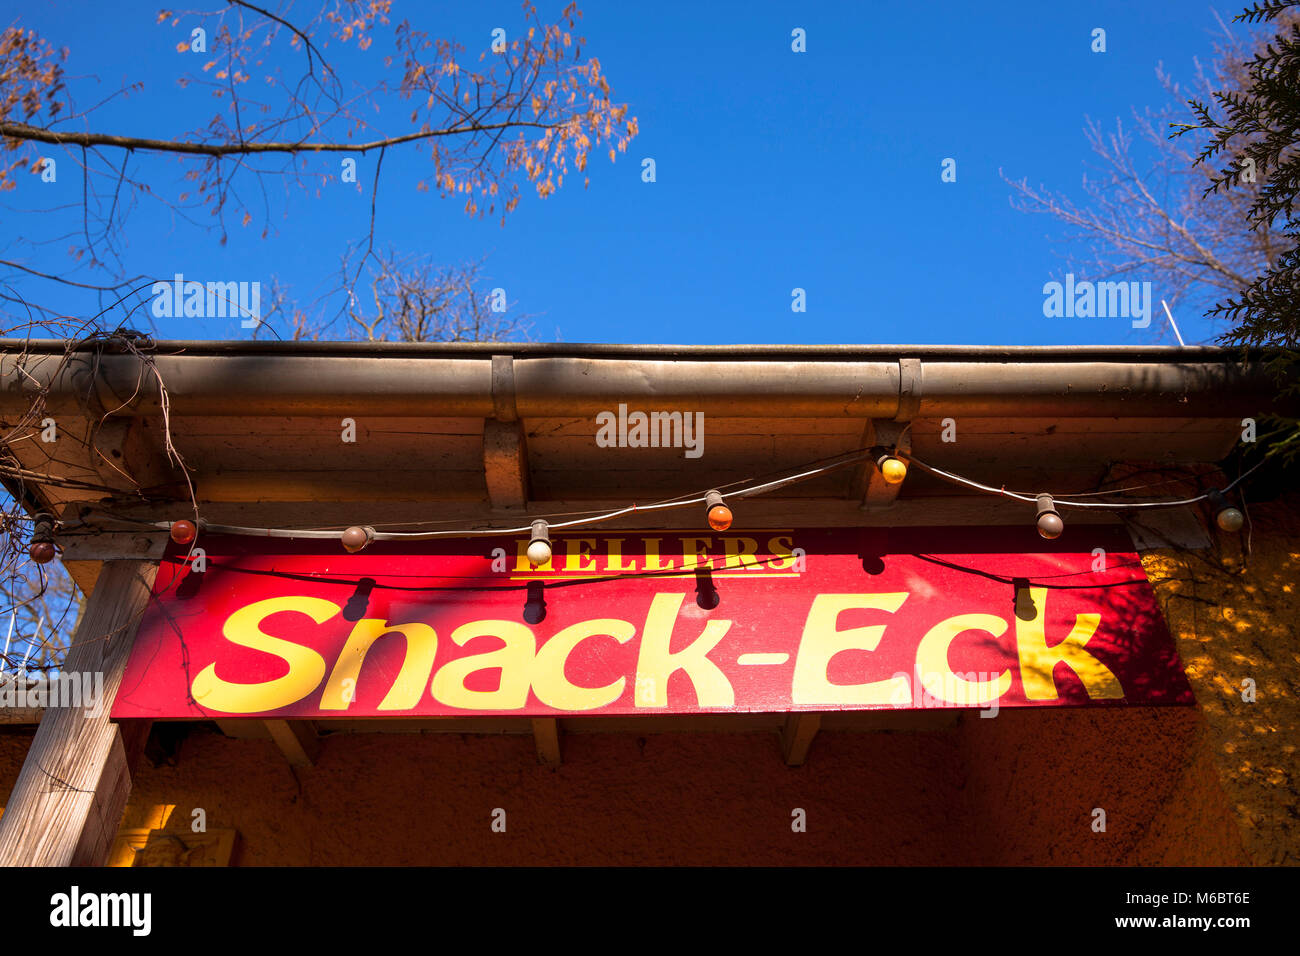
point(1066, 500)
point(358, 537)
point(706, 498)
point(891, 464)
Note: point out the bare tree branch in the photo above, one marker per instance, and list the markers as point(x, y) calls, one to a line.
point(1145, 212)
point(23, 132)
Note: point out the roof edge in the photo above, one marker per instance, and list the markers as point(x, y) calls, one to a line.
point(594, 350)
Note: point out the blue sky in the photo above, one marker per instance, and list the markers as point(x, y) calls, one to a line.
point(775, 170)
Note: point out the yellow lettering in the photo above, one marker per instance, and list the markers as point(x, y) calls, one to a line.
point(936, 673)
point(576, 554)
point(821, 641)
point(551, 685)
point(417, 665)
point(652, 562)
point(740, 553)
point(1038, 661)
point(782, 548)
point(695, 553)
point(306, 667)
point(656, 664)
point(614, 556)
point(514, 658)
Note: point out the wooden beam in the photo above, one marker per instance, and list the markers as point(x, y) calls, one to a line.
point(797, 737)
point(341, 486)
point(862, 471)
point(818, 512)
point(244, 729)
point(84, 574)
point(135, 737)
point(505, 463)
point(546, 732)
point(297, 740)
point(877, 493)
point(107, 804)
point(145, 545)
point(17, 715)
point(68, 800)
point(127, 452)
point(83, 554)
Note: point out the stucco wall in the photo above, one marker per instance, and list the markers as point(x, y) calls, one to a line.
point(1016, 789)
point(1036, 779)
point(679, 798)
point(1019, 788)
point(14, 742)
point(1236, 616)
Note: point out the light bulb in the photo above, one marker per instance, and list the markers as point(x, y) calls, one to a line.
point(539, 547)
point(1230, 519)
point(720, 518)
point(719, 515)
point(1225, 516)
point(42, 552)
point(41, 547)
point(892, 469)
point(356, 538)
point(1049, 523)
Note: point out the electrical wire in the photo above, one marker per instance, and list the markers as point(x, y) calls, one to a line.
point(1106, 505)
point(592, 517)
point(679, 502)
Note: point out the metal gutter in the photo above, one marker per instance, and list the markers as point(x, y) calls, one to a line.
point(1020, 353)
point(566, 380)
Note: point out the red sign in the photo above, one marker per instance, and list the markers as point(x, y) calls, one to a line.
point(639, 623)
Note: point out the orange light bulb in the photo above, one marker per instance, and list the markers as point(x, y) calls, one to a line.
point(719, 517)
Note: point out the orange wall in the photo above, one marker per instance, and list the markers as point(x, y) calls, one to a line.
point(14, 742)
point(1035, 778)
point(1019, 788)
point(1233, 610)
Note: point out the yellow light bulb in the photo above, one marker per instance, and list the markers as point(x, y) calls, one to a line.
point(894, 470)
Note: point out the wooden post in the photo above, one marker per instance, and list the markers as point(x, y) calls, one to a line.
point(297, 740)
point(797, 737)
point(67, 803)
point(546, 732)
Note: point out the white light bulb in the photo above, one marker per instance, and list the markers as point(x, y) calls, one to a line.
point(1230, 519)
point(539, 552)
